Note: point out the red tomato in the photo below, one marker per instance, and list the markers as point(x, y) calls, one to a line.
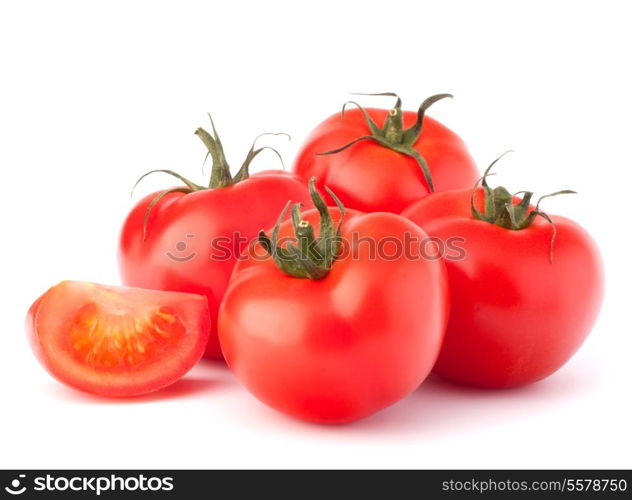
point(340, 347)
point(190, 239)
point(117, 341)
point(522, 304)
point(385, 176)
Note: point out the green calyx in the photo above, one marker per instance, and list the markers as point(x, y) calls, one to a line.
point(500, 209)
point(220, 173)
point(307, 256)
point(392, 135)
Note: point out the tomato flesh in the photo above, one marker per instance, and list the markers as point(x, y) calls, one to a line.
point(117, 341)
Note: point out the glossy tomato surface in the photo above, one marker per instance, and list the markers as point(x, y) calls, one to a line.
point(193, 240)
point(516, 317)
point(340, 348)
point(117, 341)
point(370, 177)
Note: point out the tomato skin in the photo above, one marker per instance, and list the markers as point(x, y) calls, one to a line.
point(338, 349)
point(515, 316)
point(49, 328)
point(31, 330)
point(372, 178)
point(206, 216)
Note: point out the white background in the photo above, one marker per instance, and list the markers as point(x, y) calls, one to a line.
point(92, 94)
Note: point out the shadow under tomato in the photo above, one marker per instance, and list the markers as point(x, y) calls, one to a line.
point(440, 406)
point(436, 409)
point(183, 388)
point(218, 363)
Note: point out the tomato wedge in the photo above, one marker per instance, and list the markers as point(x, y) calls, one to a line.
point(117, 341)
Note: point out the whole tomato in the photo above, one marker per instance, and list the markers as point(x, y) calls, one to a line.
point(188, 238)
point(526, 287)
point(385, 168)
point(339, 322)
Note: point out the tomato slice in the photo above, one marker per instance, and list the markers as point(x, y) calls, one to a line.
point(117, 341)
